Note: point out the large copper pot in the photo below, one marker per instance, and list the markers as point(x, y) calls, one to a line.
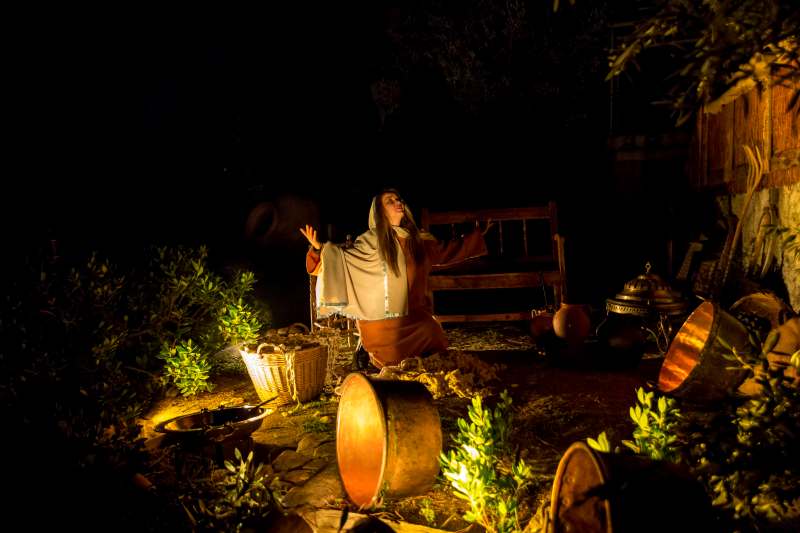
point(617, 493)
point(695, 366)
point(388, 439)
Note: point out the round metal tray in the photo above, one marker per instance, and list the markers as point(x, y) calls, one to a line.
point(221, 424)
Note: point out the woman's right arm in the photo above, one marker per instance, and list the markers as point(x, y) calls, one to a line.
point(313, 257)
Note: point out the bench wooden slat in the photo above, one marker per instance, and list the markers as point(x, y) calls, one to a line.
point(496, 317)
point(511, 280)
point(458, 217)
point(515, 272)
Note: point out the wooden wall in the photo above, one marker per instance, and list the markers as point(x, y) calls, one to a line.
point(758, 118)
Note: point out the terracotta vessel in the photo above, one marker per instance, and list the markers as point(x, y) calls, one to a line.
point(572, 323)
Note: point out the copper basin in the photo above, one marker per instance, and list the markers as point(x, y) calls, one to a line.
point(224, 423)
point(617, 493)
point(694, 366)
point(388, 439)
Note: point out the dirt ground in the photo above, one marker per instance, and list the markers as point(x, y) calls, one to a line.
point(553, 407)
point(556, 401)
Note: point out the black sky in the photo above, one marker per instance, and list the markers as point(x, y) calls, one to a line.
point(149, 126)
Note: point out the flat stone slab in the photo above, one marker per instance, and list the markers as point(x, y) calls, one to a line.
point(322, 489)
point(328, 520)
point(278, 436)
point(289, 460)
point(298, 477)
point(326, 450)
point(311, 441)
point(317, 463)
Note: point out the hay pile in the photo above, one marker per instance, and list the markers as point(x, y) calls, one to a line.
point(454, 373)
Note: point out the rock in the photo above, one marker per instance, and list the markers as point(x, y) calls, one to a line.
point(319, 490)
point(278, 523)
point(316, 464)
point(297, 477)
point(326, 450)
point(289, 460)
point(280, 486)
point(278, 437)
point(311, 441)
point(329, 521)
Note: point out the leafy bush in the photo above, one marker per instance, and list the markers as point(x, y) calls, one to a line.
point(478, 467)
point(79, 354)
point(427, 511)
point(655, 433)
point(240, 500)
point(188, 368)
point(749, 454)
point(239, 324)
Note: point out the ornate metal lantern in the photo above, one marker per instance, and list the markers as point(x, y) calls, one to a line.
point(650, 298)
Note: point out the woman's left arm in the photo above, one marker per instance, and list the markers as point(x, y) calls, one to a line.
point(445, 254)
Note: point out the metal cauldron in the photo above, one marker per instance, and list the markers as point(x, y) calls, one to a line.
point(617, 493)
point(695, 367)
point(215, 425)
point(388, 439)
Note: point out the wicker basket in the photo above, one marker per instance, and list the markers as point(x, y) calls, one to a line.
point(287, 372)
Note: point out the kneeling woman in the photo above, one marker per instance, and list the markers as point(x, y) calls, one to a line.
point(382, 280)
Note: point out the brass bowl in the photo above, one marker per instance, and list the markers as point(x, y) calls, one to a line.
point(221, 424)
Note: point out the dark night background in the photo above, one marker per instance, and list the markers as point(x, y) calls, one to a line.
point(154, 127)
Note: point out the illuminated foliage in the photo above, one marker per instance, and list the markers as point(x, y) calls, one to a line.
point(479, 471)
point(717, 44)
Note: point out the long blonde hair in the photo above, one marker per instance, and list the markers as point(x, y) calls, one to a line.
point(387, 237)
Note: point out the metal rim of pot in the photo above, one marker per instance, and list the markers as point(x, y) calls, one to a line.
point(227, 428)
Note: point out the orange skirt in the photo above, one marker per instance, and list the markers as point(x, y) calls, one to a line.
point(391, 340)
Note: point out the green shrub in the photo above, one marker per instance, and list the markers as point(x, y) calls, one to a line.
point(478, 467)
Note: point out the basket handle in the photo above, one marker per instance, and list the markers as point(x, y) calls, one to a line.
point(276, 347)
point(300, 324)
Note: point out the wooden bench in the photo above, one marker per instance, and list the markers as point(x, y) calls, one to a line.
point(523, 254)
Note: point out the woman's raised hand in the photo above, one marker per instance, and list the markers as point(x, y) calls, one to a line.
point(311, 234)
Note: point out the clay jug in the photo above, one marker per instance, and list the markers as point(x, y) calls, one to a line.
point(572, 323)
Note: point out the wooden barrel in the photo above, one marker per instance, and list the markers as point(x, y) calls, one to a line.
point(603, 492)
point(694, 366)
point(388, 439)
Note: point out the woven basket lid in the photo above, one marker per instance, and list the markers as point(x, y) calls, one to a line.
point(647, 294)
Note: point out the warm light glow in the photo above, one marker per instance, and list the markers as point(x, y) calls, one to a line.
point(361, 440)
point(171, 411)
point(685, 350)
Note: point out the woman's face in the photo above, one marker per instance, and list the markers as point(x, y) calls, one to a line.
point(393, 207)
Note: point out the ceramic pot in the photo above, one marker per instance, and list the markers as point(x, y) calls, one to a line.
point(572, 322)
